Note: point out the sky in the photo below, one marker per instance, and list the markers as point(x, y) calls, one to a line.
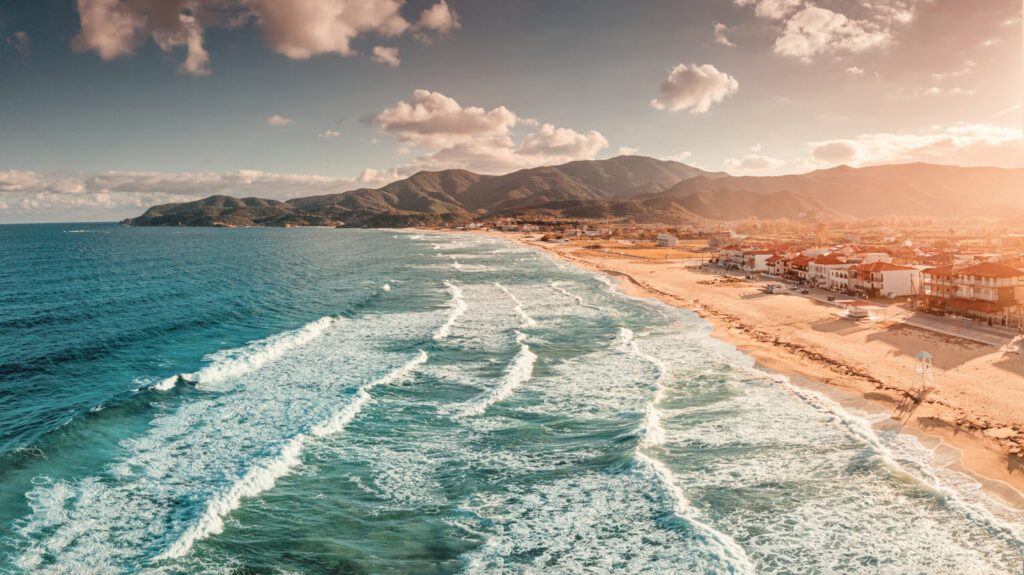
point(110, 106)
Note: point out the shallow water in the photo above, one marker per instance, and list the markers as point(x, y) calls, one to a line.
point(345, 401)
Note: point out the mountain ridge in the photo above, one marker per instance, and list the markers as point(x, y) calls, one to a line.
point(631, 188)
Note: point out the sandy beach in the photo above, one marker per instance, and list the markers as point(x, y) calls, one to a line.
point(973, 416)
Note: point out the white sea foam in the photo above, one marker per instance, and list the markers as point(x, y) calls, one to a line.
point(264, 476)
point(386, 287)
point(557, 286)
point(231, 363)
point(456, 307)
point(654, 432)
point(519, 372)
point(526, 319)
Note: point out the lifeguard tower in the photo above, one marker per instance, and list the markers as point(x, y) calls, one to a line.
point(924, 376)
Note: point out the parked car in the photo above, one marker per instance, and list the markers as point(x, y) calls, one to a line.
point(805, 291)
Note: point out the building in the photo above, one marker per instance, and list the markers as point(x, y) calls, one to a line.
point(667, 241)
point(778, 265)
point(987, 291)
point(885, 280)
point(756, 260)
point(798, 268)
point(819, 267)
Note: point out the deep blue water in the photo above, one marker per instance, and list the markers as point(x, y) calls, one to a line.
point(348, 401)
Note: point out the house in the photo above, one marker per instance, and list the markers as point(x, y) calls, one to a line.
point(798, 268)
point(756, 260)
point(987, 291)
point(885, 279)
point(732, 256)
point(818, 269)
point(667, 241)
point(778, 265)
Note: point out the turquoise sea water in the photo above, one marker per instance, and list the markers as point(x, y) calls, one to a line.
point(344, 401)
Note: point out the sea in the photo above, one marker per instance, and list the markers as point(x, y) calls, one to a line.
point(329, 401)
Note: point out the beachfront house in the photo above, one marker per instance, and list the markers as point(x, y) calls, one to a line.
point(988, 291)
point(885, 279)
point(778, 265)
point(798, 268)
point(756, 260)
point(667, 241)
point(819, 267)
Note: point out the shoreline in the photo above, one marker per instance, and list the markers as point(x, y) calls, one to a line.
point(956, 443)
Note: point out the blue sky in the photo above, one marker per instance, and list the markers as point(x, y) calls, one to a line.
point(95, 124)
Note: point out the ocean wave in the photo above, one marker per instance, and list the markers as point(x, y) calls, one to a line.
point(234, 362)
point(526, 319)
point(519, 372)
point(264, 476)
point(456, 307)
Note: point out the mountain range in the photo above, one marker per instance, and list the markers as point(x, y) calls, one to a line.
point(627, 188)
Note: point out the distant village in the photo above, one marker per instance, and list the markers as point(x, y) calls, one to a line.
point(971, 272)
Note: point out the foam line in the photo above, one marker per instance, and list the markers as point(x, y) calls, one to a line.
point(526, 319)
point(456, 307)
point(263, 477)
point(654, 432)
point(230, 363)
point(519, 372)
point(728, 549)
point(921, 472)
point(579, 300)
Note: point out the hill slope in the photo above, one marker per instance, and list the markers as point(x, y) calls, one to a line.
point(629, 188)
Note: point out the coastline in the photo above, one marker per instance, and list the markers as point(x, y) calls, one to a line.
point(962, 438)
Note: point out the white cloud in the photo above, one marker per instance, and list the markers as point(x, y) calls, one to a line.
point(298, 29)
point(372, 177)
point(439, 18)
point(694, 88)
point(277, 121)
point(432, 119)
point(771, 9)
point(386, 55)
point(855, 71)
point(961, 144)
point(813, 31)
point(329, 134)
point(683, 157)
point(752, 163)
point(720, 35)
point(449, 135)
point(21, 43)
point(625, 151)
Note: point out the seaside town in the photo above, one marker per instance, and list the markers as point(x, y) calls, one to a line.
point(966, 273)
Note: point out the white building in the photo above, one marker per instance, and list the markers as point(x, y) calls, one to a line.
point(885, 279)
point(667, 241)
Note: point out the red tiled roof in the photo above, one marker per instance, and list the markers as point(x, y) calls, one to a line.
point(801, 260)
point(939, 271)
point(829, 260)
point(991, 270)
point(775, 258)
point(880, 267)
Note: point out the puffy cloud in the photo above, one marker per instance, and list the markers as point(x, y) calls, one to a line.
point(694, 88)
point(435, 120)
point(439, 18)
point(301, 29)
point(855, 71)
point(449, 135)
point(386, 55)
point(720, 37)
point(771, 9)
point(370, 176)
point(835, 153)
point(63, 196)
point(680, 157)
point(961, 144)
point(814, 30)
point(276, 121)
point(329, 134)
point(752, 163)
point(21, 43)
point(626, 151)
point(298, 29)
point(552, 142)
